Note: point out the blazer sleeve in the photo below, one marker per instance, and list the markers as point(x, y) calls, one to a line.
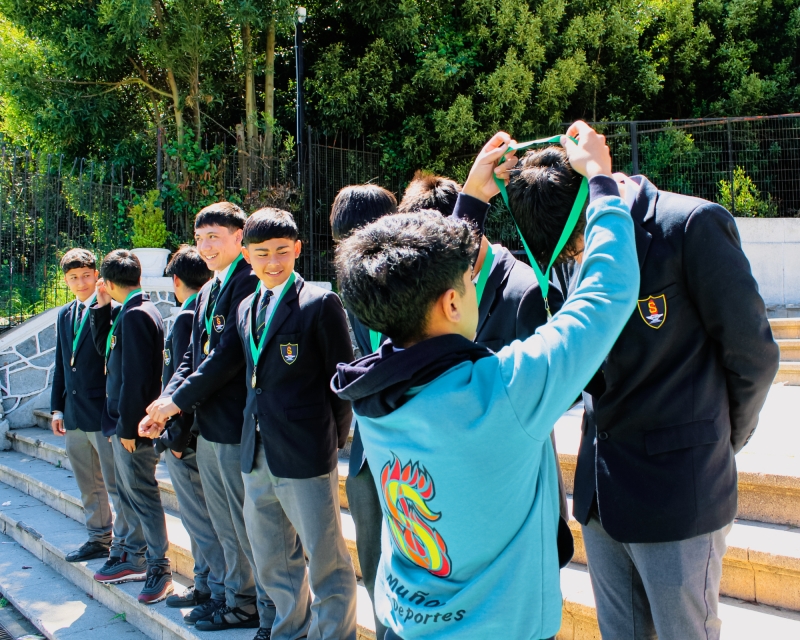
point(725, 294)
point(222, 364)
point(140, 339)
point(335, 344)
point(182, 334)
point(471, 210)
point(100, 322)
point(57, 402)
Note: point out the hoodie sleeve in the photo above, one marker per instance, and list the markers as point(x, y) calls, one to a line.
point(545, 373)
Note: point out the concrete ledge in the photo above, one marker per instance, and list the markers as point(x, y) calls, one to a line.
point(789, 373)
point(785, 328)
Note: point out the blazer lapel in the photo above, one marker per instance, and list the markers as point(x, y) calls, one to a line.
point(283, 310)
point(644, 208)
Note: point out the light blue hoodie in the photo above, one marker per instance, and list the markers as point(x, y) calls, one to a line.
point(465, 468)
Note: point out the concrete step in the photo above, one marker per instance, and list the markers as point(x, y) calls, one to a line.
point(789, 373)
point(67, 613)
point(785, 328)
point(790, 350)
point(740, 620)
point(50, 535)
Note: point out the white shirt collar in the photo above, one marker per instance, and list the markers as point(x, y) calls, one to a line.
point(276, 291)
point(222, 274)
point(88, 302)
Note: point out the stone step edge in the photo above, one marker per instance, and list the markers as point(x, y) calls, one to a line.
point(750, 573)
point(141, 616)
point(48, 622)
point(72, 507)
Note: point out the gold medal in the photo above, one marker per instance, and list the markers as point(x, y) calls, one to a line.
point(72, 361)
point(253, 379)
point(206, 346)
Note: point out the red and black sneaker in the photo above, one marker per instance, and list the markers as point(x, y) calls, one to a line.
point(120, 569)
point(157, 586)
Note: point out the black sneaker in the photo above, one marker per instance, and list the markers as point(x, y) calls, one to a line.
point(205, 610)
point(191, 598)
point(120, 569)
point(157, 586)
point(263, 634)
point(88, 551)
point(229, 618)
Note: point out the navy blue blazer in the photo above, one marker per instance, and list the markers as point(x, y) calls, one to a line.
point(79, 389)
point(681, 390)
point(213, 386)
point(302, 422)
point(178, 432)
point(134, 362)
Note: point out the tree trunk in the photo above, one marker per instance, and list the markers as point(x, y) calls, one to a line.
point(176, 105)
point(269, 90)
point(250, 89)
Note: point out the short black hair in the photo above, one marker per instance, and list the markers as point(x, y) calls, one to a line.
point(541, 193)
point(267, 224)
point(122, 268)
point(223, 214)
point(78, 259)
point(392, 271)
point(358, 205)
point(429, 191)
point(189, 266)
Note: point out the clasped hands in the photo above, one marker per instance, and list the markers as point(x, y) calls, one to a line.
point(158, 412)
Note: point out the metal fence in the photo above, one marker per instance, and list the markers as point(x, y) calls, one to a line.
point(49, 203)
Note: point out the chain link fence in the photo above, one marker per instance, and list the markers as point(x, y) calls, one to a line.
point(49, 203)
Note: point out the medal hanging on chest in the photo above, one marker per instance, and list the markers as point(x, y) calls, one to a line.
point(206, 346)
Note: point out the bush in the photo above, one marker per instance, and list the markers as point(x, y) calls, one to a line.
point(149, 228)
point(747, 200)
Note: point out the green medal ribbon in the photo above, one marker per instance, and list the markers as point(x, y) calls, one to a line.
point(374, 340)
point(77, 331)
point(543, 277)
point(114, 324)
point(255, 350)
point(188, 301)
point(209, 317)
point(484, 274)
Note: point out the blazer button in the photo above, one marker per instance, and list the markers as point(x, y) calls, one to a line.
point(74, 392)
point(258, 391)
point(74, 369)
point(603, 435)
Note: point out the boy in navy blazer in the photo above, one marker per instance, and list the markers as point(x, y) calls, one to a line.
point(210, 382)
point(189, 273)
point(677, 397)
point(76, 401)
point(131, 339)
point(293, 335)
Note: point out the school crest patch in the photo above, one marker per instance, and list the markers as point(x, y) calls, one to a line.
point(219, 323)
point(167, 357)
point(407, 490)
point(654, 311)
point(113, 341)
point(289, 353)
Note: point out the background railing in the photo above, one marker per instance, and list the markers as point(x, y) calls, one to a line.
point(50, 203)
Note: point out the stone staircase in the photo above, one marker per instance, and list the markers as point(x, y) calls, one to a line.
point(40, 511)
point(787, 335)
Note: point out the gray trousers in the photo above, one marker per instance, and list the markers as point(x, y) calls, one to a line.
point(365, 507)
point(656, 590)
point(141, 503)
point(220, 468)
point(285, 516)
point(91, 456)
point(209, 558)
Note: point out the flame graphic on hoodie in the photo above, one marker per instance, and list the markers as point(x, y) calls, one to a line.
point(406, 492)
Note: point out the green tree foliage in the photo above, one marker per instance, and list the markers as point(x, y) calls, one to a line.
point(747, 200)
point(428, 80)
point(147, 218)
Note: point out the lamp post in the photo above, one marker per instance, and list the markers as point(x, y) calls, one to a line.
point(300, 18)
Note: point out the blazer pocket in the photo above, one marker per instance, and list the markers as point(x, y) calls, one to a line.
point(305, 412)
point(97, 392)
point(681, 436)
